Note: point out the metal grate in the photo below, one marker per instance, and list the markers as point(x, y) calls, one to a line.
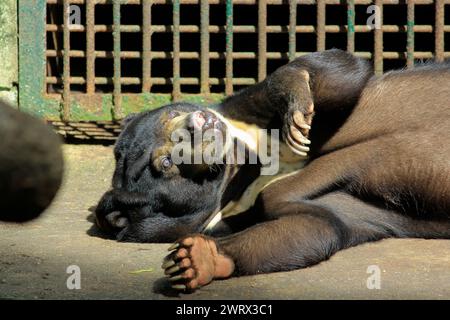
point(143, 53)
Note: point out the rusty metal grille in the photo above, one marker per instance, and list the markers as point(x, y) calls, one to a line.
point(182, 48)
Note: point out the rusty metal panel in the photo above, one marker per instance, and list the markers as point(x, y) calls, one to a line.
point(378, 46)
point(350, 25)
point(147, 45)
point(292, 28)
point(229, 48)
point(262, 40)
point(204, 50)
point(117, 96)
point(90, 47)
point(66, 62)
point(32, 55)
point(198, 50)
point(410, 35)
point(321, 11)
point(439, 30)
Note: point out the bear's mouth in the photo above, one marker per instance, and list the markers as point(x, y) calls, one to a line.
point(199, 121)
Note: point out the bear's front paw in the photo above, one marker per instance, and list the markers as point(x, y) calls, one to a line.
point(195, 262)
point(296, 129)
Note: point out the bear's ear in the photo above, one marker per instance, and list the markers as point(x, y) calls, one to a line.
point(127, 120)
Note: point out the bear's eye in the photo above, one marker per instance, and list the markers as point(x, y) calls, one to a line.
point(166, 163)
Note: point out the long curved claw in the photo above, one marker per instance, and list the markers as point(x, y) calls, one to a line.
point(175, 278)
point(167, 264)
point(172, 270)
point(297, 142)
point(173, 246)
point(299, 120)
point(297, 135)
point(297, 145)
point(181, 287)
point(297, 152)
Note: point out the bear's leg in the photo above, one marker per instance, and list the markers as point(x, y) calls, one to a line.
point(307, 236)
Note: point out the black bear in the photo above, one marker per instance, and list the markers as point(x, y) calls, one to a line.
point(369, 160)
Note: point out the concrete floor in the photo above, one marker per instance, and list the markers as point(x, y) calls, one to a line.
point(34, 257)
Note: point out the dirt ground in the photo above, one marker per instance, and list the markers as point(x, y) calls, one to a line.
point(34, 257)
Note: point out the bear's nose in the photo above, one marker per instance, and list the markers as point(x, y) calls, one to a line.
point(202, 120)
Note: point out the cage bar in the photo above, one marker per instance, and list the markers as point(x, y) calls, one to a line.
point(156, 80)
point(229, 48)
point(378, 39)
point(90, 47)
point(410, 35)
point(204, 46)
point(321, 7)
point(262, 40)
point(146, 45)
point(292, 29)
point(117, 96)
point(176, 90)
point(66, 62)
point(248, 29)
point(247, 2)
point(351, 25)
point(439, 34)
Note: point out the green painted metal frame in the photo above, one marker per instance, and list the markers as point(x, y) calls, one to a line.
point(32, 60)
